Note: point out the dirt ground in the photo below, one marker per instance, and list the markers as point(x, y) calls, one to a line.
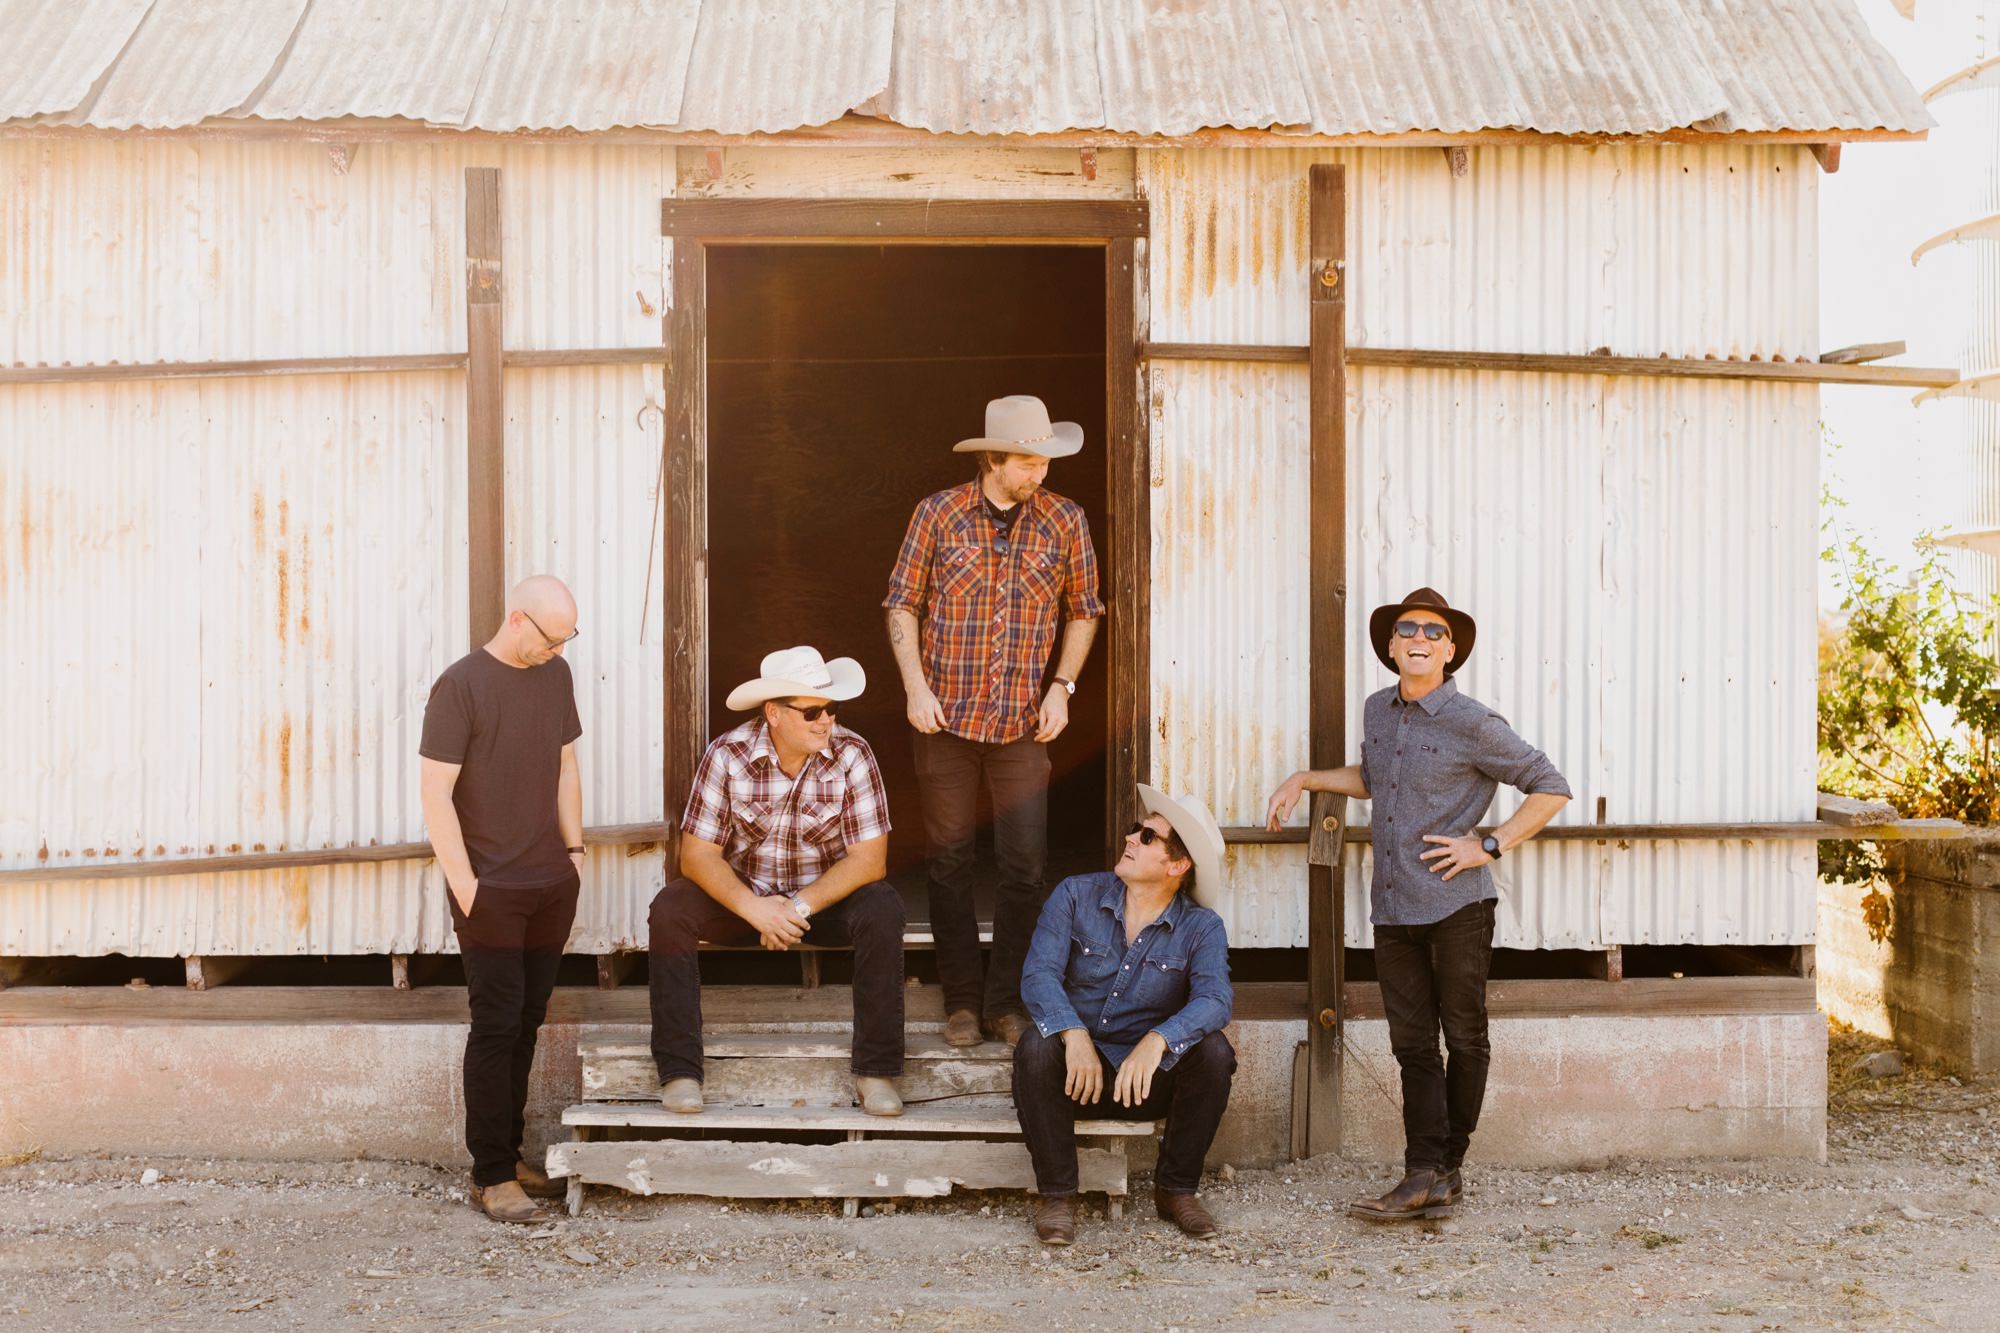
point(1901, 1227)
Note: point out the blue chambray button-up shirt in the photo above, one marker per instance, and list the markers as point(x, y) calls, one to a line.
point(1080, 973)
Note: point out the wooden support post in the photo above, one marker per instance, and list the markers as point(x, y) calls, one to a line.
point(850, 1207)
point(1087, 158)
point(1325, 888)
point(1609, 965)
point(204, 973)
point(399, 971)
point(809, 969)
point(684, 546)
point(1129, 491)
point(1459, 159)
point(485, 406)
point(1828, 157)
point(1805, 961)
point(613, 968)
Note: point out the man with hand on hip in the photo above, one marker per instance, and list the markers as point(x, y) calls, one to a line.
point(503, 802)
point(786, 834)
point(987, 572)
point(1431, 759)
point(1128, 985)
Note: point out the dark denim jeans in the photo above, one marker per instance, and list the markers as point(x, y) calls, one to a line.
point(1191, 1096)
point(1434, 977)
point(870, 920)
point(510, 947)
point(1017, 777)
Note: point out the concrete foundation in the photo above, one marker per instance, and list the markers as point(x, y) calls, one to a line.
point(1570, 1091)
point(1933, 986)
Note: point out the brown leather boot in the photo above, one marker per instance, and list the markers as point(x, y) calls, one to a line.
point(1421, 1194)
point(1007, 1028)
point(961, 1028)
point(1450, 1188)
point(505, 1203)
point(1055, 1219)
point(1184, 1211)
point(535, 1182)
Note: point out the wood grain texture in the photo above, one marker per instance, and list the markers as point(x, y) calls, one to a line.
point(904, 219)
point(865, 1170)
point(485, 406)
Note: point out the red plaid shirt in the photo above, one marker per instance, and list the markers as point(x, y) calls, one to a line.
point(778, 833)
point(989, 614)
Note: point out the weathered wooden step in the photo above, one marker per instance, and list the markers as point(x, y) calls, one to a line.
point(879, 1169)
point(800, 1069)
point(945, 1118)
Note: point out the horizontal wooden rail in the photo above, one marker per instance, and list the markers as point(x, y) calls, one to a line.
point(1666, 367)
point(145, 371)
point(1805, 830)
point(626, 835)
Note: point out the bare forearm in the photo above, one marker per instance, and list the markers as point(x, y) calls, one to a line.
point(864, 863)
point(903, 642)
point(1530, 819)
point(713, 875)
point(447, 838)
point(569, 804)
point(1077, 637)
point(1340, 781)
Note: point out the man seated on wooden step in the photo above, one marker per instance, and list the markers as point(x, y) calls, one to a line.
point(786, 835)
point(1127, 984)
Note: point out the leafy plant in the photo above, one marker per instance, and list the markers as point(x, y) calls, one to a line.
point(1908, 704)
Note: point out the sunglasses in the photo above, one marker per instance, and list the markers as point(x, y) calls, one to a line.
point(1146, 834)
point(1409, 629)
point(815, 712)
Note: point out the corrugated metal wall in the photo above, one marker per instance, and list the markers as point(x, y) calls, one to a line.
point(240, 590)
point(273, 570)
point(1640, 553)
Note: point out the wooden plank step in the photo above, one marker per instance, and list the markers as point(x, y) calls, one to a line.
point(922, 1119)
point(797, 1069)
point(882, 1169)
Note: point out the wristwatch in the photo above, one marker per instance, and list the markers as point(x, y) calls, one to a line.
point(801, 906)
point(1491, 845)
point(1069, 686)
point(574, 851)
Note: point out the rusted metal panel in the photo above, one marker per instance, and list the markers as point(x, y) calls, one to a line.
point(774, 65)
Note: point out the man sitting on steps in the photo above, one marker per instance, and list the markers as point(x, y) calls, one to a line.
point(786, 833)
point(1127, 983)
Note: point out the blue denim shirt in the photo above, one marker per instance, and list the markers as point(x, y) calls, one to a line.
point(1080, 973)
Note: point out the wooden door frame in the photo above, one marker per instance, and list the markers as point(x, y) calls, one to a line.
point(1119, 227)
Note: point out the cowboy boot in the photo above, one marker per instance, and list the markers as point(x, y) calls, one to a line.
point(1412, 1198)
point(1055, 1219)
point(681, 1095)
point(878, 1096)
point(1184, 1211)
point(1007, 1028)
point(535, 1182)
point(1450, 1188)
point(961, 1028)
point(505, 1202)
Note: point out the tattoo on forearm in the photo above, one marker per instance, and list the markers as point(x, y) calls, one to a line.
point(895, 631)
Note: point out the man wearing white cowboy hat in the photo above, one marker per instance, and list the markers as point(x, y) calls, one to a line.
point(987, 572)
point(1432, 758)
point(1128, 985)
point(786, 835)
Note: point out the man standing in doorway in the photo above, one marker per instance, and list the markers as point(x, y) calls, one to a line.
point(986, 573)
point(1431, 759)
point(504, 805)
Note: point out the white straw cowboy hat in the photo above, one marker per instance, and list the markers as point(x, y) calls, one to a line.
point(1198, 832)
point(1019, 424)
point(790, 672)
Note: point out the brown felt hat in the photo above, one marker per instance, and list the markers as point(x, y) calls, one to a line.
point(1382, 623)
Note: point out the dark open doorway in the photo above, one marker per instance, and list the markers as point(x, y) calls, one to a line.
point(839, 376)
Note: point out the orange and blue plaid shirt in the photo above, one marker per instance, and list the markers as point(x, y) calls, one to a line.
point(777, 832)
point(989, 601)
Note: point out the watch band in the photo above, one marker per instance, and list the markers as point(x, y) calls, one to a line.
point(1491, 846)
point(574, 851)
point(1069, 686)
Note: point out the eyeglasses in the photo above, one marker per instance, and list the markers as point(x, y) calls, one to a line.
point(812, 713)
point(1430, 629)
point(1148, 835)
point(554, 642)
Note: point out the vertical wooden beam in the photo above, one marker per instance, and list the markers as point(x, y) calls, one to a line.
point(1325, 903)
point(1130, 517)
point(485, 405)
point(686, 542)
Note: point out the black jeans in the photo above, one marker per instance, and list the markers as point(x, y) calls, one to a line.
point(1192, 1096)
point(510, 947)
point(870, 919)
point(1434, 977)
point(1017, 776)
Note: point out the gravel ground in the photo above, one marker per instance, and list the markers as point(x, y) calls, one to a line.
point(1901, 1227)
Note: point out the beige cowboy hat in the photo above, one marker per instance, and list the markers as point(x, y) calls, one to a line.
point(799, 671)
point(1019, 424)
point(1198, 832)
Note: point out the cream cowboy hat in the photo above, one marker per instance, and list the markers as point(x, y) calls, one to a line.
point(1198, 832)
point(1020, 424)
point(799, 671)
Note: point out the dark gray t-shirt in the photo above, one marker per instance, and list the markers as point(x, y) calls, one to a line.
point(1432, 767)
point(507, 727)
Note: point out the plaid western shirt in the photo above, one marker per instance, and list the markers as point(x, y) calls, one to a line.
point(988, 603)
point(779, 833)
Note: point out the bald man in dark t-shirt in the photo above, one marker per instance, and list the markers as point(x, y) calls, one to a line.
point(504, 805)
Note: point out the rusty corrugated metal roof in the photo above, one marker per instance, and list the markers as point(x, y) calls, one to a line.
point(1165, 67)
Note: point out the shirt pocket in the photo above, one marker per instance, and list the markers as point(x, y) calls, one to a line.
point(819, 821)
point(1041, 575)
point(1162, 984)
point(754, 820)
point(1090, 963)
point(958, 571)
